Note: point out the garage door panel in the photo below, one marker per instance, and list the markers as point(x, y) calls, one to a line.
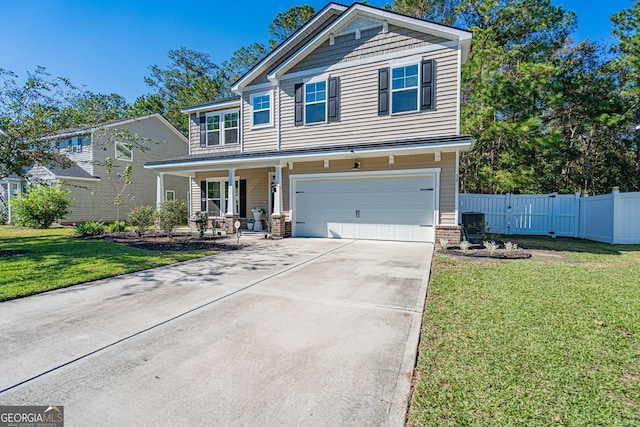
point(383, 208)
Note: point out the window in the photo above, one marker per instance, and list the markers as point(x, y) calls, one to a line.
point(261, 106)
point(404, 89)
point(315, 110)
point(76, 146)
point(222, 128)
point(124, 151)
point(215, 202)
point(407, 88)
point(169, 195)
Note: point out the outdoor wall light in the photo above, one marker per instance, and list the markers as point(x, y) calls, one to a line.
point(356, 166)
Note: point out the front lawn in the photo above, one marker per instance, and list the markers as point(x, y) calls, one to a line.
point(554, 340)
point(42, 260)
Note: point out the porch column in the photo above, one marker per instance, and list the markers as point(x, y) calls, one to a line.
point(277, 197)
point(278, 226)
point(159, 188)
point(231, 206)
point(232, 215)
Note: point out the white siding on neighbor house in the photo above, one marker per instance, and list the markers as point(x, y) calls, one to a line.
point(372, 42)
point(359, 119)
point(261, 138)
point(83, 159)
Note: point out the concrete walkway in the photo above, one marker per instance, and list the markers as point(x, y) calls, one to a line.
point(290, 332)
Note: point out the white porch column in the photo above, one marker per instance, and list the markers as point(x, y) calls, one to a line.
point(277, 197)
point(231, 206)
point(159, 188)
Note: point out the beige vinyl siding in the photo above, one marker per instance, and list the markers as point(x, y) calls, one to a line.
point(194, 138)
point(359, 120)
point(447, 167)
point(40, 173)
point(372, 42)
point(257, 187)
point(261, 138)
point(84, 159)
point(86, 207)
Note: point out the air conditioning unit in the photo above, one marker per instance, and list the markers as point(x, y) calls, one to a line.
point(474, 224)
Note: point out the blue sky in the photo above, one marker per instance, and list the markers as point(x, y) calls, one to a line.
point(109, 45)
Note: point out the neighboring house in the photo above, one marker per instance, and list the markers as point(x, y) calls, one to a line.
point(349, 129)
point(89, 181)
point(10, 187)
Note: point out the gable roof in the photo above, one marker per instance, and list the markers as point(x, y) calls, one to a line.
point(114, 124)
point(368, 16)
point(277, 54)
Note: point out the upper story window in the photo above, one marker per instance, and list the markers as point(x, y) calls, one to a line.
point(317, 101)
point(404, 89)
point(261, 109)
point(78, 143)
point(222, 128)
point(315, 110)
point(124, 151)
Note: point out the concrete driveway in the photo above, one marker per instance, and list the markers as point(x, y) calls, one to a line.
point(290, 332)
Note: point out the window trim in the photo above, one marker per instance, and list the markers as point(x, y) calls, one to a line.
point(393, 91)
point(307, 82)
point(223, 195)
point(221, 129)
point(116, 157)
point(268, 93)
point(167, 192)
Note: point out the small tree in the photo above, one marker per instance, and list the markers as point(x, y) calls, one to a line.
point(171, 214)
point(119, 185)
point(202, 222)
point(141, 218)
point(41, 206)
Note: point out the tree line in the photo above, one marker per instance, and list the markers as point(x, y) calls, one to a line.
point(547, 113)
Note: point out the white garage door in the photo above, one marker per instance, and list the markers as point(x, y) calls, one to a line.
point(379, 208)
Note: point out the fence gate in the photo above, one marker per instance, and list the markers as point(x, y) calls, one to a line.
point(531, 214)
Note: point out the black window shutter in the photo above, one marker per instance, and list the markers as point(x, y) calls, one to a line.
point(334, 99)
point(243, 198)
point(383, 91)
point(203, 131)
point(203, 196)
point(427, 87)
point(299, 116)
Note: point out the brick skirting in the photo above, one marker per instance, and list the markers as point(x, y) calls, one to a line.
point(448, 232)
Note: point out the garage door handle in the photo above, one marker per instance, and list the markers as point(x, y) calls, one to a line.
point(425, 225)
point(298, 222)
point(426, 189)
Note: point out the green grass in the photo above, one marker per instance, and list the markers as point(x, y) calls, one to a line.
point(52, 259)
point(532, 343)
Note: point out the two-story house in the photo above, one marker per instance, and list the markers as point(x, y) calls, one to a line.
point(348, 129)
point(127, 142)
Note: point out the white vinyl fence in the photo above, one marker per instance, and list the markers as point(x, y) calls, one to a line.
point(610, 218)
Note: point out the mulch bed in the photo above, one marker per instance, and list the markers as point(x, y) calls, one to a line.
point(483, 253)
point(154, 241)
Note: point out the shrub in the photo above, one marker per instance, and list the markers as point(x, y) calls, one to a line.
point(90, 228)
point(464, 245)
point(117, 226)
point(510, 247)
point(444, 244)
point(491, 246)
point(41, 206)
point(202, 222)
point(171, 214)
point(142, 218)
